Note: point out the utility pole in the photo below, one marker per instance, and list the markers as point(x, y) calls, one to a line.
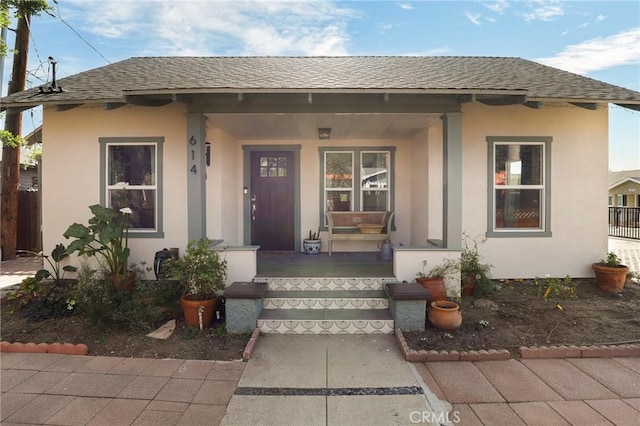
point(11, 154)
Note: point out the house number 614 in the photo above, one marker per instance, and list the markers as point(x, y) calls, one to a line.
point(193, 169)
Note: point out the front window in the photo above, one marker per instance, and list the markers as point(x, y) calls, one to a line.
point(131, 179)
point(374, 179)
point(356, 179)
point(519, 181)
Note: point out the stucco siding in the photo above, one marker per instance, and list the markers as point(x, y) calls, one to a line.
point(71, 164)
point(71, 156)
point(578, 188)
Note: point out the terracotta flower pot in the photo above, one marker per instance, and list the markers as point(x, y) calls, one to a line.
point(610, 279)
point(435, 286)
point(191, 307)
point(445, 315)
point(469, 285)
point(124, 282)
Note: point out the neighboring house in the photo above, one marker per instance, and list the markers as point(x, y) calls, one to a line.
point(252, 150)
point(624, 188)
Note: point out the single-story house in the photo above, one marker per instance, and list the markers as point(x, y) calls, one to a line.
point(624, 188)
point(254, 150)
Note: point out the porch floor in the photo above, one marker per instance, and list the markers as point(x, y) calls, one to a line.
point(340, 264)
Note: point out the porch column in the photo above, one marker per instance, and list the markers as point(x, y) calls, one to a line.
point(452, 180)
point(196, 177)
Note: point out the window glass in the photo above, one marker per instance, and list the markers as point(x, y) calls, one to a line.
point(338, 170)
point(518, 208)
point(374, 181)
point(131, 182)
point(357, 178)
point(518, 185)
point(273, 166)
point(133, 164)
point(517, 164)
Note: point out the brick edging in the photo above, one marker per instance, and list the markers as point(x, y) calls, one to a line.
point(599, 351)
point(44, 348)
point(248, 350)
point(526, 352)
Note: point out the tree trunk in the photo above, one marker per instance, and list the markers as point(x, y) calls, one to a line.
point(11, 155)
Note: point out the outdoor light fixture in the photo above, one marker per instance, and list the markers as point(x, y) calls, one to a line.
point(324, 133)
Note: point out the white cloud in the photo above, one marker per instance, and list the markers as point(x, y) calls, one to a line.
point(601, 18)
point(583, 25)
point(544, 10)
point(198, 27)
point(493, 21)
point(564, 33)
point(498, 7)
point(475, 19)
point(406, 6)
point(598, 53)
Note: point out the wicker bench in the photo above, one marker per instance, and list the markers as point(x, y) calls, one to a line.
point(359, 226)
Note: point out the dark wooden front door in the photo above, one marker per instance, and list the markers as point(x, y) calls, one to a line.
point(272, 206)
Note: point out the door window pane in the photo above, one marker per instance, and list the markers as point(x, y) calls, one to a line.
point(273, 166)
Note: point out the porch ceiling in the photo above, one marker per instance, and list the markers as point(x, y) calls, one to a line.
point(305, 126)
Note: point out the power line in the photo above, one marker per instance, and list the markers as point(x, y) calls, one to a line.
point(76, 32)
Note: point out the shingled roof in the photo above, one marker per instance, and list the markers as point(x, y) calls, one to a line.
point(402, 74)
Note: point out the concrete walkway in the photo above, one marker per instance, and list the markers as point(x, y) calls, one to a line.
point(586, 391)
point(323, 380)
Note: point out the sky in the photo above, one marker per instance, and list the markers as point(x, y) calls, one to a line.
point(597, 39)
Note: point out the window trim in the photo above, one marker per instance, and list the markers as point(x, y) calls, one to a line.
point(545, 230)
point(158, 141)
point(356, 189)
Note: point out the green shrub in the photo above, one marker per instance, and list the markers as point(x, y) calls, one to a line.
point(40, 300)
point(143, 308)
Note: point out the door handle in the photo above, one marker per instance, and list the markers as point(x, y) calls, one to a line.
point(253, 207)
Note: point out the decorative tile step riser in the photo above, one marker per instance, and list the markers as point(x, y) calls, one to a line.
point(326, 327)
point(324, 284)
point(323, 303)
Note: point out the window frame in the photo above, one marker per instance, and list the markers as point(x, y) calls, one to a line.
point(158, 142)
point(545, 187)
point(356, 188)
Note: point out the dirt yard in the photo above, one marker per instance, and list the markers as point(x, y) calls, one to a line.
point(213, 343)
point(516, 315)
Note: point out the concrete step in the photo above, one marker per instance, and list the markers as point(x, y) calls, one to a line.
point(324, 283)
point(338, 299)
point(325, 321)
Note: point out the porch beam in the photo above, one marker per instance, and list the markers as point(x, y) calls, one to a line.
point(196, 177)
point(323, 103)
point(533, 104)
point(452, 180)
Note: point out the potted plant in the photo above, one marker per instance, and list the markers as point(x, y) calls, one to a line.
point(445, 315)
point(202, 272)
point(433, 281)
point(611, 274)
point(107, 238)
point(311, 245)
point(471, 267)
